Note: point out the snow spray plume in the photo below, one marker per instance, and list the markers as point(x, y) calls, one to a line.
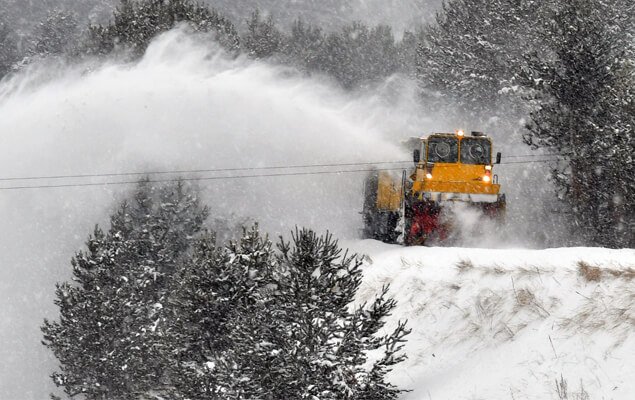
point(184, 106)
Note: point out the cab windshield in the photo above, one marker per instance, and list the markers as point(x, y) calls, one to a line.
point(443, 150)
point(476, 151)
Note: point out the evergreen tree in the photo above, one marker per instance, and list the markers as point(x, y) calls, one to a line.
point(303, 46)
point(144, 317)
point(216, 285)
point(109, 336)
point(584, 111)
point(469, 59)
point(8, 47)
point(407, 53)
point(357, 54)
point(57, 34)
point(136, 22)
point(381, 53)
point(263, 39)
point(301, 339)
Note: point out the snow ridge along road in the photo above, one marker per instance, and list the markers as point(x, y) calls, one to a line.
point(505, 324)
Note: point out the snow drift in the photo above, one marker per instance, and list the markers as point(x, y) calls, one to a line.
point(505, 324)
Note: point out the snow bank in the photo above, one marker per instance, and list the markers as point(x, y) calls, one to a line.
point(504, 324)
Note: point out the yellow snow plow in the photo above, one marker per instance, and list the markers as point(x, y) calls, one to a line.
point(448, 168)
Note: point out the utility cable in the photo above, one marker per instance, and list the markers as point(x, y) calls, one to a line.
point(538, 155)
point(196, 171)
point(192, 171)
point(531, 161)
point(210, 178)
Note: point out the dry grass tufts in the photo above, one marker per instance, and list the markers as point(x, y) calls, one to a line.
point(499, 271)
point(495, 270)
point(531, 271)
point(611, 311)
point(464, 265)
point(562, 391)
point(525, 297)
point(589, 272)
point(627, 273)
point(594, 274)
point(454, 286)
point(562, 388)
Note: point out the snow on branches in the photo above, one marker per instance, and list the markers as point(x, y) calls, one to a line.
point(158, 308)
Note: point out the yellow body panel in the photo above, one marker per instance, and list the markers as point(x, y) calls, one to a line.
point(455, 178)
point(389, 192)
point(456, 187)
point(456, 172)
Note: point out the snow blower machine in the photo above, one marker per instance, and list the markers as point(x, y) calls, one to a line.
point(410, 207)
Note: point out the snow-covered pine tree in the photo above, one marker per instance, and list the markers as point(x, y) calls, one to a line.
point(303, 339)
point(57, 34)
point(584, 112)
point(468, 60)
point(216, 284)
point(108, 339)
point(358, 54)
point(136, 22)
point(8, 47)
point(407, 53)
point(303, 45)
point(354, 55)
point(263, 39)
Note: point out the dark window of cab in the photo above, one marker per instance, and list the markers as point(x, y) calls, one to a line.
point(476, 151)
point(443, 149)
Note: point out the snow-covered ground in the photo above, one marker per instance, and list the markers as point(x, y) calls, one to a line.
point(505, 324)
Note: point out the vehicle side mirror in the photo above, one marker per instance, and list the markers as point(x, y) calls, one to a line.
point(498, 157)
point(416, 156)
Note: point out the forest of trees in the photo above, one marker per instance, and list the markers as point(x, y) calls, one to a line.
point(354, 54)
point(158, 309)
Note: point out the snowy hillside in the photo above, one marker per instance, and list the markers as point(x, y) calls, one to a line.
point(504, 324)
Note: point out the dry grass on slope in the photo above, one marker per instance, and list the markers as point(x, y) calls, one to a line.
point(593, 273)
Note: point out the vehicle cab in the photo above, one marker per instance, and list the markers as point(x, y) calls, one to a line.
point(453, 166)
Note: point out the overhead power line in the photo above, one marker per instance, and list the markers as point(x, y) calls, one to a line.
point(188, 179)
point(242, 169)
point(537, 155)
point(196, 171)
point(219, 170)
point(531, 161)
